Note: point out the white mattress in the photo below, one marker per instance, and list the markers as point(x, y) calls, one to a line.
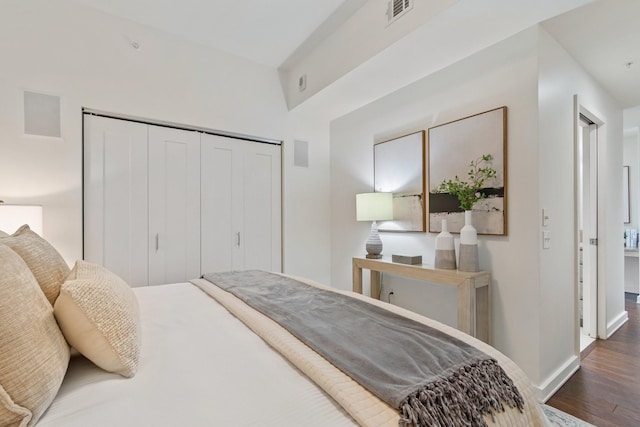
point(199, 366)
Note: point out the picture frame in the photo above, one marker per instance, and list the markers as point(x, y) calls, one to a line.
point(626, 196)
point(399, 169)
point(452, 147)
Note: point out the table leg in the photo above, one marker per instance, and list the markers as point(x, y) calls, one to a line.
point(375, 284)
point(465, 308)
point(483, 313)
point(357, 279)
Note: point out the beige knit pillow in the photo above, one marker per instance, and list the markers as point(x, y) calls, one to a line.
point(98, 314)
point(33, 353)
point(3, 234)
point(46, 264)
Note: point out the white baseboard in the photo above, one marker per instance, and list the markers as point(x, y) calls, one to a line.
point(615, 324)
point(554, 381)
point(557, 379)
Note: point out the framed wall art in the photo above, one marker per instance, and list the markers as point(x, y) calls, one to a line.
point(452, 147)
point(399, 169)
point(626, 207)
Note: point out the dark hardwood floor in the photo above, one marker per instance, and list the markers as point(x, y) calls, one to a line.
point(606, 389)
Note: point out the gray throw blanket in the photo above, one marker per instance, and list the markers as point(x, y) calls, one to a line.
point(431, 377)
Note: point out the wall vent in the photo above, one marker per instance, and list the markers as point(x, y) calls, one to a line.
point(41, 114)
point(397, 8)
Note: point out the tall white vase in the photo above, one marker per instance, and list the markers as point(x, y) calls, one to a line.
point(445, 249)
point(468, 246)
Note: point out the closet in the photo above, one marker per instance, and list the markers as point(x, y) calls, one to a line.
point(164, 205)
point(240, 205)
point(174, 205)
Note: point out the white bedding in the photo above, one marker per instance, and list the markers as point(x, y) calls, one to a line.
point(366, 408)
point(199, 366)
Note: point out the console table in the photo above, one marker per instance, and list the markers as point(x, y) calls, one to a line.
point(473, 290)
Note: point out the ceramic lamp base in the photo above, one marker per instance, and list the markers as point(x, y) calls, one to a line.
point(374, 244)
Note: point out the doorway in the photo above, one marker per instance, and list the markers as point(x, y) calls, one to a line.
point(587, 241)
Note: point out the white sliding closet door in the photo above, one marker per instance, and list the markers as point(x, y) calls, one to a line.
point(262, 207)
point(115, 197)
point(164, 205)
point(221, 169)
point(174, 205)
point(241, 208)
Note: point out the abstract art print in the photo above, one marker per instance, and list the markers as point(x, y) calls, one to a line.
point(399, 169)
point(452, 148)
point(626, 207)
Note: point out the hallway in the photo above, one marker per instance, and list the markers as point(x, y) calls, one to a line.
point(606, 389)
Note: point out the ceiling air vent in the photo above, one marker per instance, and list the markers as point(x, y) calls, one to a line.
point(397, 8)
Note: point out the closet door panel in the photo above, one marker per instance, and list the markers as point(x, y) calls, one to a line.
point(241, 209)
point(115, 202)
point(174, 205)
point(221, 169)
point(262, 207)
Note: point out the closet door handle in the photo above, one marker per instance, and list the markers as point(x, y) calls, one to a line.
point(238, 239)
point(157, 242)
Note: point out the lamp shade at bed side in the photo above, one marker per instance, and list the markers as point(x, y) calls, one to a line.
point(14, 216)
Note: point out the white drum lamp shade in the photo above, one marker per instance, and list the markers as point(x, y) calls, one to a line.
point(374, 207)
point(13, 217)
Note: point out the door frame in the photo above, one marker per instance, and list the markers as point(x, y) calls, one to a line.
point(588, 204)
point(600, 300)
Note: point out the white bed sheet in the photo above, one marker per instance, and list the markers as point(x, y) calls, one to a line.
point(199, 366)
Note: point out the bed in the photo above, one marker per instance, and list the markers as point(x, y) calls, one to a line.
point(206, 358)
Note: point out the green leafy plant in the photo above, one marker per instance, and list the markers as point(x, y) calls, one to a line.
point(468, 191)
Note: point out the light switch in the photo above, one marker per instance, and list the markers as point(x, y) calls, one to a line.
point(545, 217)
point(546, 239)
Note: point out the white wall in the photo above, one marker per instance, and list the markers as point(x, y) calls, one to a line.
point(631, 117)
point(364, 34)
point(533, 298)
point(505, 74)
point(307, 200)
point(560, 78)
point(436, 36)
point(84, 56)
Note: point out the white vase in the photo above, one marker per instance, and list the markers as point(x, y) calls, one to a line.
point(445, 249)
point(468, 246)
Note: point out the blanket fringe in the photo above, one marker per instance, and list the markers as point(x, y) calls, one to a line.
point(462, 399)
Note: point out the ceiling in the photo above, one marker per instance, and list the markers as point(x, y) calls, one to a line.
point(604, 36)
point(264, 31)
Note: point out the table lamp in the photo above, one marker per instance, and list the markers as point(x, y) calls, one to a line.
point(13, 217)
point(374, 207)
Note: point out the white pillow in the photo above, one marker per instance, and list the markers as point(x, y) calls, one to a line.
point(98, 315)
